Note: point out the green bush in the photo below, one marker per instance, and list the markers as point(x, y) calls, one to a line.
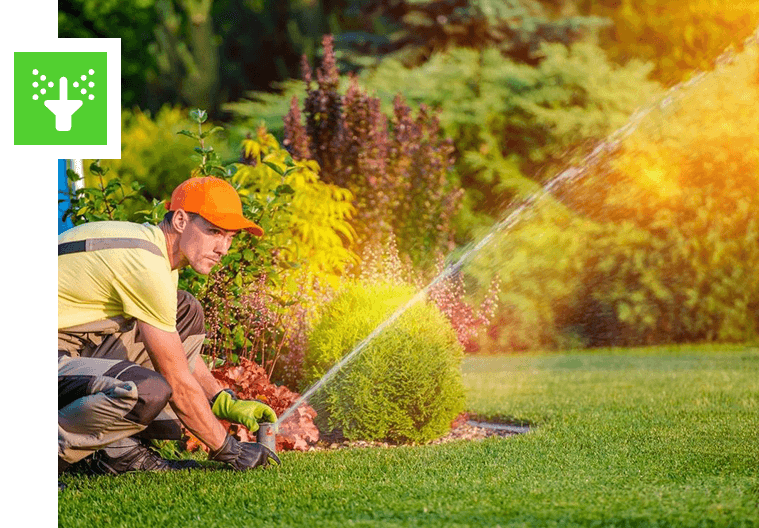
point(404, 386)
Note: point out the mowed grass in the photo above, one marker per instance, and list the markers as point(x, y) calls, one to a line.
point(649, 437)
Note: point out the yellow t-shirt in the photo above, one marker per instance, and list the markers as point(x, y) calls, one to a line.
point(133, 282)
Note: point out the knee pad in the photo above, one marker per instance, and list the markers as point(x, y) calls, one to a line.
point(153, 391)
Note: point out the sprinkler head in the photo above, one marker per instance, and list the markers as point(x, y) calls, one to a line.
point(266, 435)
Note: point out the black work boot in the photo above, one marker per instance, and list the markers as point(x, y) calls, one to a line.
point(123, 458)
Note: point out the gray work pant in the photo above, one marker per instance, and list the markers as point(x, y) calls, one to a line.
point(108, 388)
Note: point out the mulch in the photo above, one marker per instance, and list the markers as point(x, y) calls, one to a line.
point(462, 429)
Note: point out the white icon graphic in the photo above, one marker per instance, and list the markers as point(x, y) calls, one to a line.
point(63, 107)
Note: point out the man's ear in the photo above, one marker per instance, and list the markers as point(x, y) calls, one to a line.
point(180, 220)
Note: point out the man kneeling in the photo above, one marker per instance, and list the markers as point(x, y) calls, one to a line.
point(129, 364)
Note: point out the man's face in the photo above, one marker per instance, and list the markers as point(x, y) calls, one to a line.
point(203, 244)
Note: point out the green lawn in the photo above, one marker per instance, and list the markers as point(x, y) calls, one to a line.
point(650, 437)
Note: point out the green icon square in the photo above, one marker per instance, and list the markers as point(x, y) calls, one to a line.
point(60, 98)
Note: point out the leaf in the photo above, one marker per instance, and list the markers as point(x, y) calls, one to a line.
point(274, 167)
point(72, 176)
point(95, 168)
point(188, 134)
point(283, 189)
point(211, 132)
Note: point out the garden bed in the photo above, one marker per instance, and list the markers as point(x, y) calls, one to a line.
point(463, 428)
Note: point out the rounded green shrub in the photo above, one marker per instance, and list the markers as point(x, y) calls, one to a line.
point(404, 386)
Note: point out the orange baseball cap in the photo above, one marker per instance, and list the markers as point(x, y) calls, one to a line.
point(215, 200)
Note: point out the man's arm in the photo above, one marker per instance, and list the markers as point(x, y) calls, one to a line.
point(189, 399)
point(210, 385)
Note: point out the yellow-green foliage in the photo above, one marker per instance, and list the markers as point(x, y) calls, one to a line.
point(316, 228)
point(706, 140)
point(152, 152)
point(690, 179)
point(405, 385)
point(676, 36)
point(666, 245)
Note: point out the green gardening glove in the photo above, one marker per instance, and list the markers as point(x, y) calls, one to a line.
point(226, 406)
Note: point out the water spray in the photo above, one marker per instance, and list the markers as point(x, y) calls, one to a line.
point(527, 204)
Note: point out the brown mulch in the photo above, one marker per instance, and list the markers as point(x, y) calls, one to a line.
point(460, 430)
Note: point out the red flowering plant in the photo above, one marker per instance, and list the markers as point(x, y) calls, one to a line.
point(397, 167)
point(382, 263)
point(449, 295)
point(275, 327)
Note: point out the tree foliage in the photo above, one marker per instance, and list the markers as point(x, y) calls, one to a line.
point(411, 31)
point(658, 244)
point(202, 52)
point(688, 181)
point(678, 38)
point(513, 125)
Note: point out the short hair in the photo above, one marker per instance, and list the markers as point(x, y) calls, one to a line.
point(170, 215)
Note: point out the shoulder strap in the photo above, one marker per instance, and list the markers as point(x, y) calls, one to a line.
point(97, 244)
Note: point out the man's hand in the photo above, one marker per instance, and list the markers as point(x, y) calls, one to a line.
point(243, 455)
point(247, 412)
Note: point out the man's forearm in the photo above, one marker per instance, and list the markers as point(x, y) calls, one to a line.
point(210, 385)
point(188, 397)
point(192, 409)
